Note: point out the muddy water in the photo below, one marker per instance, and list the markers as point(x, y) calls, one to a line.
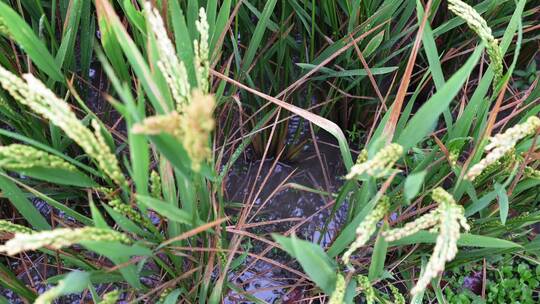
point(302, 211)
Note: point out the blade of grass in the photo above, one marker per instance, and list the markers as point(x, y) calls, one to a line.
point(422, 122)
point(466, 240)
point(319, 267)
point(21, 203)
point(31, 44)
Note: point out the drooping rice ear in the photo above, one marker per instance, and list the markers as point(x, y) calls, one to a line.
point(502, 143)
point(60, 238)
point(480, 27)
point(34, 94)
point(380, 165)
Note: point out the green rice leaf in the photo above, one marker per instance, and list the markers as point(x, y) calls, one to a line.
point(376, 267)
point(413, 184)
point(315, 262)
point(422, 122)
point(27, 40)
point(503, 202)
point(169, 211)
point(466, 240)
point(22, 204)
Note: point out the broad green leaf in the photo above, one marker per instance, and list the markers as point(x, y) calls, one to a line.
point(112, 49)
point(54, 203)
point(480, 204)
point(106, 13)
point(136, 18)
point(128, 270)
point(221, 22)
point(376, 267)
point(173, 151)
point(61, 54)
point(350, 292)
point(99, 220)
point(430, 48)
point(422, 122)
point(503, 202)
point(315, 262)
point(74, 282)
point(169, 211)
point(413, 184)
point(116, 249)
point(329, 73)
point(373, 44)
point(172, 298)
point(59, 176)
point(21, 203)
point(428, 41)
point(182, 39)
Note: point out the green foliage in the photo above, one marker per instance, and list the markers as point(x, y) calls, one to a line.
point(314, 261)
point(508, 280)
point(380, 71)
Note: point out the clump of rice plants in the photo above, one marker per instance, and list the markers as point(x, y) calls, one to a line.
point(116, 187)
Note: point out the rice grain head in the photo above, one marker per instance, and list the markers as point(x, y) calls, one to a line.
point(192, 122)
point(367, 289)
point(18, 157)
point(155, 184)
point(532, 173)
point(60, 238)
point(110, 297)
point(380, 165)
point(446, 220)
point(339, 292)
point(398, 297)
point(129, 212)
point(480, 27)
point(501, 144)
point(9, 227)
point(171, 67)
point(168, 123)
point(367, 227)
point(424, 222)
point(34, 94)
point(451, 220)
point(192, 126)
point(202, 52)
point(197, 124)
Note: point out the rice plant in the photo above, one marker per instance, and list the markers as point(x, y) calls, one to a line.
point(196, 151)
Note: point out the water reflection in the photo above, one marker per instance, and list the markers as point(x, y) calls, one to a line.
point(305, 212)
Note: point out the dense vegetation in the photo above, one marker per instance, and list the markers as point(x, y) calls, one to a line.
point(124, 122)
